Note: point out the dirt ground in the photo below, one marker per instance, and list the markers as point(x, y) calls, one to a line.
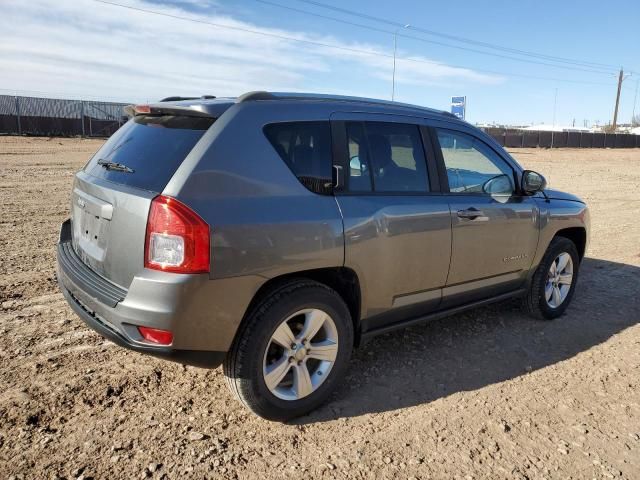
point(487, 394)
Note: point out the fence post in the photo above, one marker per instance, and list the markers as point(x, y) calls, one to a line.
point(18, 115)
point(82, 115)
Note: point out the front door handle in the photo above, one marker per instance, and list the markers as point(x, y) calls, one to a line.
point(470, 213)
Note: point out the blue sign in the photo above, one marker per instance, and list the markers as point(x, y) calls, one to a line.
point(458, 106)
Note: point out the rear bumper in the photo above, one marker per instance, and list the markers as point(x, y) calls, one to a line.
point(159, 301)
point(197, 358)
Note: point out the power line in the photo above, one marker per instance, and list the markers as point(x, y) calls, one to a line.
point(340, 47)
point(257, 32)
point(434, 42)
point(584, 63)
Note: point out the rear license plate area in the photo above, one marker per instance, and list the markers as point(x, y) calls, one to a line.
point(91, 218)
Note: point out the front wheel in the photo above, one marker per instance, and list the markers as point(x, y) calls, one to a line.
point(554, 281)
point(292, 351)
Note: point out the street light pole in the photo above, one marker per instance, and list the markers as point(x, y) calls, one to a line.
point(395, 49)
point(635, 99)
point(555, 104)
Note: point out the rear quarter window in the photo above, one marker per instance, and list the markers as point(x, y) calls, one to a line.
point(306, 149)
point(152, 146)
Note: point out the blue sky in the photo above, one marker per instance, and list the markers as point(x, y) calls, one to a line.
point(83, 48)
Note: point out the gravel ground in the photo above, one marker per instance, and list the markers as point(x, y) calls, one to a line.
point(486, 394)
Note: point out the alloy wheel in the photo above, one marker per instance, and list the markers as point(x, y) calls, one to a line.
point(300, 354)
point(559, 279)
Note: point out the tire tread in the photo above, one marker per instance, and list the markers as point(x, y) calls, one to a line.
point(234, 362)
point(532, 301)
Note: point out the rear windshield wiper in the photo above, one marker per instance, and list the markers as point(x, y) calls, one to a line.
point(118, 167)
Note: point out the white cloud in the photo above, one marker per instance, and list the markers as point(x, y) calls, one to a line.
point(84, 48)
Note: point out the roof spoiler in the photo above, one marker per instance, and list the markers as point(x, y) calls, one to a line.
point(156, 109)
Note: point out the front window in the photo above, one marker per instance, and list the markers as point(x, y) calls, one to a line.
point(472, 167)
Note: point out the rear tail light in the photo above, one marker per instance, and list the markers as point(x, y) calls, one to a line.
point(155, 335)
point(177, 238)
point(142, 109)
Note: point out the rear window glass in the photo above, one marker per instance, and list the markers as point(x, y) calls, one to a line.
point(306, 148)
point(146, 151)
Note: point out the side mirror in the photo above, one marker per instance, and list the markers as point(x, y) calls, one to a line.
point(532, 182)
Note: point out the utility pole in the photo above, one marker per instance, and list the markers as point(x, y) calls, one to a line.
point(615, 112)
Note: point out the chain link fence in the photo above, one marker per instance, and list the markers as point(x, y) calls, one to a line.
point(56, 117)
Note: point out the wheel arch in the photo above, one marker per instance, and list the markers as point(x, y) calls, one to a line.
point(341, 279)
point(578, 235)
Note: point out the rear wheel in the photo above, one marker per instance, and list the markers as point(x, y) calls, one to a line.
point(292, 351)
point(554, 281)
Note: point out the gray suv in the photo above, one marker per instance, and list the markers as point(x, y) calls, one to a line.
point(274, 232)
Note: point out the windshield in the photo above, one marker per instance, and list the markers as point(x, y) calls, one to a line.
point(147, 150)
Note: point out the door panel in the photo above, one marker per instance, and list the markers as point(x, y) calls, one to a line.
point(502, 239)
point(397, 225)
point(398, 246)
point(494, 229)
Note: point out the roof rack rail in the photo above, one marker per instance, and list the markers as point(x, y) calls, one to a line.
point(257, 95)
point(262, 95)
point(177, 99)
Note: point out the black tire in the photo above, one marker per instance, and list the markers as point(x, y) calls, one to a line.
point(535, 303)
point(243, 365)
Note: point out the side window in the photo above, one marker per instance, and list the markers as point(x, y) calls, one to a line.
point(386, 157)
point(306, 148)
point(472, 167)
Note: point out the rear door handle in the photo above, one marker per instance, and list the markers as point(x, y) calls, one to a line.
point(470, 213)
point(339, 182)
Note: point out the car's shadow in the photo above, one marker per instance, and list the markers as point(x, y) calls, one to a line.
point(485, 346)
